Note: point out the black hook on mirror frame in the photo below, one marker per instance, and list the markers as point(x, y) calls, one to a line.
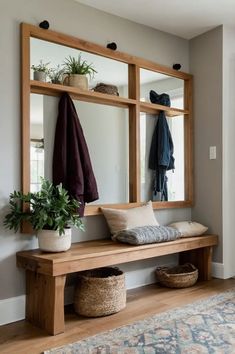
point(112, 46)
point(176, 66)
point(44, 24)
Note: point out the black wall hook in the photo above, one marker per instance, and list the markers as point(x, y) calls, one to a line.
point(44, 24)
point(176, 66)
point(112, 46)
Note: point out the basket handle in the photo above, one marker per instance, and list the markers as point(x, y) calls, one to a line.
point(162, 270)
point(191, 265)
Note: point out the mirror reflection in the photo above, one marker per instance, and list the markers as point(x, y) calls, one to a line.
point(106, 132)
point(107, 71)
point(174, 185)
point(105, 127)
point(175, 178)
point(160, 83)
point(36, 142)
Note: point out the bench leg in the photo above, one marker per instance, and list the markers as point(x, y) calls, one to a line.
point(201, 258)
point(45, 301)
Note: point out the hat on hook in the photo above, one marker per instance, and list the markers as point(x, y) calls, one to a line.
point(163, 99)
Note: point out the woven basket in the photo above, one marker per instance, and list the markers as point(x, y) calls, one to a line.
point(105, 88)
point(100, 292)
point(181, 276)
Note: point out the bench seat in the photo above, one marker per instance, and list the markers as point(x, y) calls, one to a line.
point(46, 272)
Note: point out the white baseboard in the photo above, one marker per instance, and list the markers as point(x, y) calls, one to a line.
point(218, 270)
point(12, 310)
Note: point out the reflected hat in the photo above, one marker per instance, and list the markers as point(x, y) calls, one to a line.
point(162, 99)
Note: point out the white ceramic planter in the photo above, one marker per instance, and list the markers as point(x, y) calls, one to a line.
point(39, 76)
point(76, 80)
point(51, 241)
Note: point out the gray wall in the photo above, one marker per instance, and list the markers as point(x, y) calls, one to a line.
point(206, 52)
point(87, 23)
point(228, 150)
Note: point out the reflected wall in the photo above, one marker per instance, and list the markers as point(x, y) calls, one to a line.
point(106, 132)
point(161, 83)
point(108, 71)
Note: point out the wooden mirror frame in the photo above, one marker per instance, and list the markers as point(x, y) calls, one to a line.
point(133, 103)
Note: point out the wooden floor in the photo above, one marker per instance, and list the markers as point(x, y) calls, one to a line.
point(22, 338)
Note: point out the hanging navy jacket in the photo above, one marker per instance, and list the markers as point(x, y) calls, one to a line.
point(71, 161)
point(161, 156)
point(162, 148)
point(161, 152)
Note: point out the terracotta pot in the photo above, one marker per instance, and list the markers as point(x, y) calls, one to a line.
point(76, 80)
point(51, 241)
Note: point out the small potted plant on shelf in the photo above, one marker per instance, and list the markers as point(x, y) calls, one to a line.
point(51, 214)
point(56, 75)
point(40, 71)
point(76, 71)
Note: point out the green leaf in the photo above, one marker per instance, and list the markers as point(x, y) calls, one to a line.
point(51, 208)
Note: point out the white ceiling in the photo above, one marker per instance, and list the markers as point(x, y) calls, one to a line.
point(184, 18)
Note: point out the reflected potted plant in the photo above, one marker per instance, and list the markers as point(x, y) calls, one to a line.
point(40, 71)
point(51, 214)
point(76, 71)
point(56, 75)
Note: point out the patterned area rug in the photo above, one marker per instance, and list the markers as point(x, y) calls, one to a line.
point(206, 326)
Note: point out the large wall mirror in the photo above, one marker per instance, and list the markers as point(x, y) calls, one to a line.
point(118, 128)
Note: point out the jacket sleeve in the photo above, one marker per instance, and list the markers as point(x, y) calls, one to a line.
point(90, 192)
point(160, 146)
point(164, 150)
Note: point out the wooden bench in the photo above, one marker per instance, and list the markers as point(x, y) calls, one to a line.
point(46, 272)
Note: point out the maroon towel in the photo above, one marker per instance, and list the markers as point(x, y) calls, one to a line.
point(71, 161)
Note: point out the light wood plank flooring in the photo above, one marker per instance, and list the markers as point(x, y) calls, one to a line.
point(23, 338)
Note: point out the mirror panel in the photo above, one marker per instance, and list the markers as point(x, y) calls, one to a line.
point(175, 178)
point(106, 132)
point(161, 83)
point(107, 136)
point(36, 142)
point(109, 71)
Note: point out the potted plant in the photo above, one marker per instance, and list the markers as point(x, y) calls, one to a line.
point(51, 214)
point(40, 71)
point(56, 75)
point(76, 70)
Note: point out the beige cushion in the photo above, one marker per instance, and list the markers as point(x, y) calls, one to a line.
point(189, 228)
point(123, 219)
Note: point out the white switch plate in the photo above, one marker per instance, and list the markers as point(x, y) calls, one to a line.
point(212, 153)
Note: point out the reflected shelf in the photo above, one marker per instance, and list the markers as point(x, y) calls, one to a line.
point(153, 108)
point(94, 209)
point(46, 88)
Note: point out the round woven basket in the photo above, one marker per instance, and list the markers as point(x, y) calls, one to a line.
point(100, 292)
point(106, 88)
point(181, 276)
